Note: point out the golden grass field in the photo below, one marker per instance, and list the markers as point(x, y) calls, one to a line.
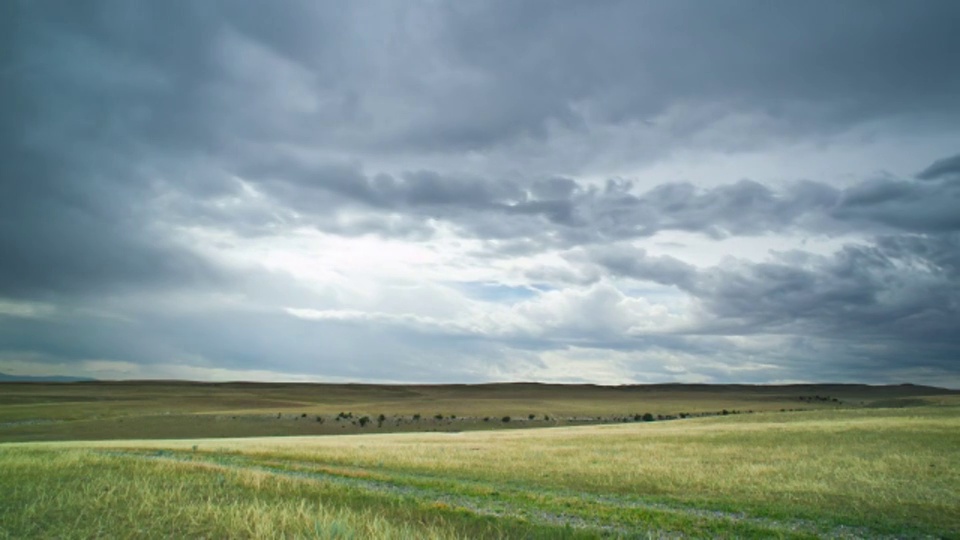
point(833, 471)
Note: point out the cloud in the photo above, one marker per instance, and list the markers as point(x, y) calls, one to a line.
point(899, 295)
point(812, 67)
point(940, 168)
point(901, 204)
point(67, 230)
point(573, 213)
point(200, 189)
point(637, 264)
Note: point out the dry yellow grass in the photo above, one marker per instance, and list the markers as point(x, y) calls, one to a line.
point(75, 494)
point(889, 470)
point(864, 472)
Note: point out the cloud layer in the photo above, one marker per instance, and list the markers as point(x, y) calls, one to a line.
point(609, 192)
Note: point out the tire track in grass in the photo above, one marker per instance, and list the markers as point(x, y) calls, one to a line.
point(485, 503)
point(423, 495)
point(533, 494)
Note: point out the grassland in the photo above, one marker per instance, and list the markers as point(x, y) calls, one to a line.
point(833, 471)
point(163, 410)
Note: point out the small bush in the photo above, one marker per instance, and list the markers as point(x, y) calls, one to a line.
point(647, 417)
point(416, 417)
point(531, 417)
point(364, 420)
point(438, 416)
point(505, 419)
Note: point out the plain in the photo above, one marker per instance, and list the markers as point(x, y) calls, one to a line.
point(831, 471)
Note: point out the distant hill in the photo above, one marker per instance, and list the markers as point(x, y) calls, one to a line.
point(4, 377)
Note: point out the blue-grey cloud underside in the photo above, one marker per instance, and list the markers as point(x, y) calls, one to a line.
point(148, 149)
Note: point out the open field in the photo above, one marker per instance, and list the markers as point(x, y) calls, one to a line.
point(790, 461)
point(162, 410)
point(862, 473)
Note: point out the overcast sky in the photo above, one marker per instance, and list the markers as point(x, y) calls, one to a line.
point(559, 191)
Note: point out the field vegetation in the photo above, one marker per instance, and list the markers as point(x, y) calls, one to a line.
point(175, 409)
point(868, 472)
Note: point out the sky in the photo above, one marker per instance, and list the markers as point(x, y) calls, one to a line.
point(570, 192)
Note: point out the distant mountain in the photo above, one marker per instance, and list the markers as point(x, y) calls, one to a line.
point(52, 378)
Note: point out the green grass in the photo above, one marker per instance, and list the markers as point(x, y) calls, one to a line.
point(172, 409)
point(868, 473)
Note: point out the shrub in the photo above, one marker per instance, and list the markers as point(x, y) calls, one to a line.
point(364, 420)
point(647, 417)
point(531, 417)
point(506, 419)
point(416, 417)
point(438, 416)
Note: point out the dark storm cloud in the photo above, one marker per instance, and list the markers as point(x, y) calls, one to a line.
point(562, 212)
point(75, 213)
point(900, 204)
point(124, 122)
point(942, 167)
point(122, 95)
point(65, 228)
point(242, 338)
point(811, 64)
point(635, 263)
point(111, 110)
point(901, 294)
